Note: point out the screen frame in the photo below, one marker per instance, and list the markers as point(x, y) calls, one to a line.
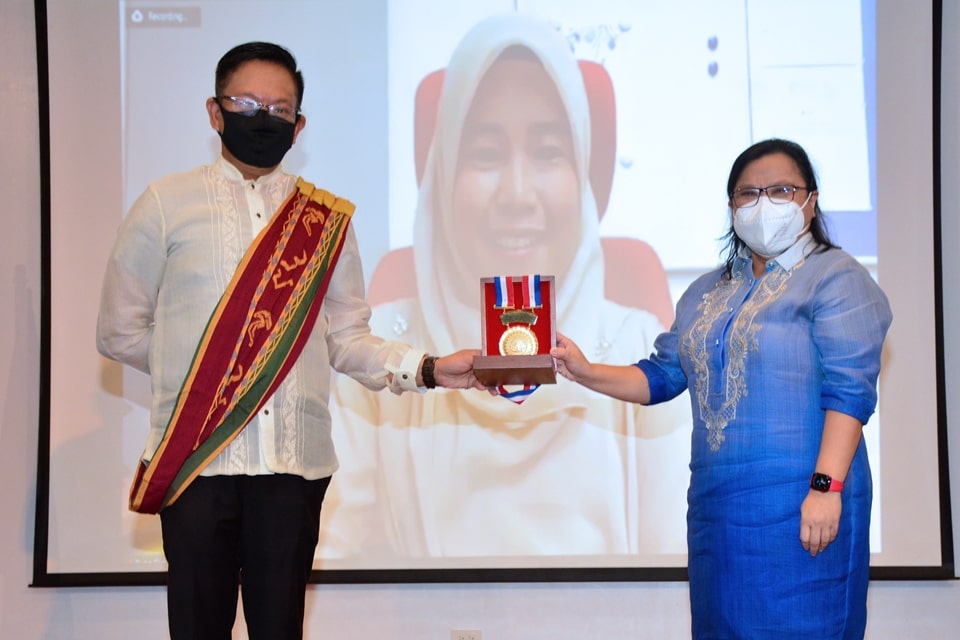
point(42, 577)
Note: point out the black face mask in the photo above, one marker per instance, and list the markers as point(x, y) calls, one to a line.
point(260, 140)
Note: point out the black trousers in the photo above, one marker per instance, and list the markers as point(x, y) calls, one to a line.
point(257, 534)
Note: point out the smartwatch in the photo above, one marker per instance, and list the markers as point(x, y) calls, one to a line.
point(824, 483)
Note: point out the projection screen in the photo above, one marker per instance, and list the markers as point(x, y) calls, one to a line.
point(694, 82)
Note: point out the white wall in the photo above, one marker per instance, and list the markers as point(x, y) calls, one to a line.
point(928, 610)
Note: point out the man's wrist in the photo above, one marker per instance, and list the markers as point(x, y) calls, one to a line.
point(427, 372)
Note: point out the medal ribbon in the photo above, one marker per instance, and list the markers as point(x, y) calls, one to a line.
point(530, 292)
point(529, 288)
point(517, 395)
point(503, 285)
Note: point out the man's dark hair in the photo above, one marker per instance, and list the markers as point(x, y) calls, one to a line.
point(265, 51)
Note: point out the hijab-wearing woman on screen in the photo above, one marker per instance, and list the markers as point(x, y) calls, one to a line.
point(569, 472)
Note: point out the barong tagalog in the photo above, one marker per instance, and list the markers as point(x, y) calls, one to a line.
point(252, 340)
point(519, 329)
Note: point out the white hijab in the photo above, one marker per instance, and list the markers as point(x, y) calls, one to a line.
point(440, 270)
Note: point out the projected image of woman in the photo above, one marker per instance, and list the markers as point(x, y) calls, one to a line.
point(569, 472)
point(780, 348)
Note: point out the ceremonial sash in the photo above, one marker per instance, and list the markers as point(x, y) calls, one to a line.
point(250, 343)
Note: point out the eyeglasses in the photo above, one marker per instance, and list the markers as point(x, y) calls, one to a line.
point(249, 107)
point(777, 193)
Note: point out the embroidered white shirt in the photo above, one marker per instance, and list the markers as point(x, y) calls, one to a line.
point(174, 256)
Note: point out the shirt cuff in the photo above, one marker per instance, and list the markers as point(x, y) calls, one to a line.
point(656, 382)
point(406, 373)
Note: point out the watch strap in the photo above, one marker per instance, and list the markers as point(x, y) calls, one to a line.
point(824, 483)
point(426, 372)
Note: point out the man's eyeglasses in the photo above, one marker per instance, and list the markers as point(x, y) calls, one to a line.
point(777, 193)
point(249, 107)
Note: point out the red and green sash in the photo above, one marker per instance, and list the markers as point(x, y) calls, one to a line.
point(251, 341)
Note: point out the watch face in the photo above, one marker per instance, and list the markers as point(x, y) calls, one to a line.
point(820, 482)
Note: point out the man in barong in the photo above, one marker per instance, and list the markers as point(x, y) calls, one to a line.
point(236, 287)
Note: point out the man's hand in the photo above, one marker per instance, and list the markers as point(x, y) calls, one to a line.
point(455, 371)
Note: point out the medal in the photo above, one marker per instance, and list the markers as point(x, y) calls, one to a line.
point(518, 339)
point(518, 326)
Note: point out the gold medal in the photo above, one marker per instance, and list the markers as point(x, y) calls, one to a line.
point(519, 340)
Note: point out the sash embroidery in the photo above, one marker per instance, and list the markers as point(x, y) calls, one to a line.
point(252, 340)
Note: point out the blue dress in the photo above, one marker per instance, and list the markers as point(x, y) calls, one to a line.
point(764, 359)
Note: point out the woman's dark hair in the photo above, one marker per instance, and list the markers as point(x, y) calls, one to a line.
point(265, 51)
point(818, 227)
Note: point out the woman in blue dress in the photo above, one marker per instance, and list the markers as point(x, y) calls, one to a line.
point(780, 348)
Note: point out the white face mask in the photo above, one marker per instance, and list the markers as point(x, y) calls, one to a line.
point(769, 228)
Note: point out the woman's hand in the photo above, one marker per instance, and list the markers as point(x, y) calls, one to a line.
point(624, 382)
point(819, 520)
point(570, 361)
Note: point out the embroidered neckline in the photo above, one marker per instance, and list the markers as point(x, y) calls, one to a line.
point(738, 341)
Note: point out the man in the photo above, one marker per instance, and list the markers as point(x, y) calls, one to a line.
point(236, 287)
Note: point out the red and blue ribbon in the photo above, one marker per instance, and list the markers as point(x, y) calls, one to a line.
point(529, 288)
